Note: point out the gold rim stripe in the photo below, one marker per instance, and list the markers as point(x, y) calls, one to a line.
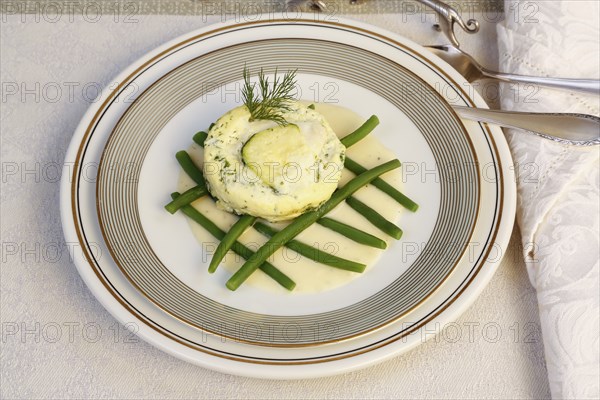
point(217, 353)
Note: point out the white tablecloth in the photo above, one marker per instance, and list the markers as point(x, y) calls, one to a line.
point(57, 340)
point(557, 201)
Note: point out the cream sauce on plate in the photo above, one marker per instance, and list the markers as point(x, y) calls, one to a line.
point(310, 276)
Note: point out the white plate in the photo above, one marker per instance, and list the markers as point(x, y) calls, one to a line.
point(475, 159)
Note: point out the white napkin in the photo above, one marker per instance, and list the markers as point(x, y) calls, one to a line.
point(558, 202)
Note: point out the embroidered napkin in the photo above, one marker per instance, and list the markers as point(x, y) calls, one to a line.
point(558, 202)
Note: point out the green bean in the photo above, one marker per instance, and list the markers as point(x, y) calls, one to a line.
point(200, 137)
point(237, 247)
point(227, 241)
point(352, 233)
point(186, 198)
point(382, 185)
point(189, 167)
point(375, 218)
point(312, 252)
point(361, 132)
point(304, 221)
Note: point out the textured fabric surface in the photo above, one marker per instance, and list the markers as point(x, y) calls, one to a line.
point(207, 7)
point(58, 342)
point(558, 209)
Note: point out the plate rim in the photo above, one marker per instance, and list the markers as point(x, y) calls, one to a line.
point(503, 224)
point(367, 331)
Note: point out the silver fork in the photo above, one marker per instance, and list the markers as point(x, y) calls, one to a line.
point(473, 71)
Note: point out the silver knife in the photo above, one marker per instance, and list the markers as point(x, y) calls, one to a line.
point(574, 129)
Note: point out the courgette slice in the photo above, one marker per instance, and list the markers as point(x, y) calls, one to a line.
point(268, 152)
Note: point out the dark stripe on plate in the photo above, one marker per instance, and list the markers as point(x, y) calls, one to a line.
point(138, 128)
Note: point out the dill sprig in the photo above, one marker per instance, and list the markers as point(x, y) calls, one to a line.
point(273, 99)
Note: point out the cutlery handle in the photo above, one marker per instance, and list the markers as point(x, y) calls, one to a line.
point(451, 17)
point(576, 129)
point(591, 86)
